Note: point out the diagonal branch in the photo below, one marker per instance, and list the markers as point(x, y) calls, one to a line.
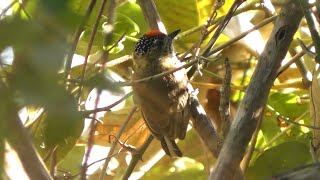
point(137, 157)
point(18, 137)
point(251, 107)
point(123, 126)
point(202, 124)
point(151, 15)
point(312, 27)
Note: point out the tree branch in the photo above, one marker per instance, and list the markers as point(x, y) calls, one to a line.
point(19, 139)
point(151, 15)
point(77, 37)
point(137, 157)
point(312, 27)
point(257, 92)
point(123, 126)
point(307, 172)
point(225, 93)
point(202, 124)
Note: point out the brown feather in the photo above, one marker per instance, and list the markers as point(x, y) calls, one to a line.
point(164, 102)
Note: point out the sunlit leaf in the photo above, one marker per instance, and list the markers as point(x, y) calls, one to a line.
point(182, 168)
point(135, 133)
point(72, 162)
point(287, 104)
point(269, 125)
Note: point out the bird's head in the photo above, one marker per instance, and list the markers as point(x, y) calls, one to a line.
point(155, 44)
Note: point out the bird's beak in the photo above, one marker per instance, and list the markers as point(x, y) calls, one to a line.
point(173, 34)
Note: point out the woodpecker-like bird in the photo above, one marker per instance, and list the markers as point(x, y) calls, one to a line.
point(164, 102)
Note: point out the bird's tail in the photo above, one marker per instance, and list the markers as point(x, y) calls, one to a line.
point(170, 147)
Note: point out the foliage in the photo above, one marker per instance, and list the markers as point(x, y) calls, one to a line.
point(58, 111)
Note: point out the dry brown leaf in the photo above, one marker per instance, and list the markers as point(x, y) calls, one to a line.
point(134, 134)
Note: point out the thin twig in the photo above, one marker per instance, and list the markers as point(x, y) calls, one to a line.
point(306, 49)
point(108, 30)
point(312, 27)
point(205, 34)
point(297, 85)
point(106, 163)
point(93, 34)
point(274, 138)
point(137, 157)
point(129, 148)
point(108, 157)
point(246, 8)
point(77, 37)
point(293, 60)
point(22, 6)
point(103, 159)
point(118, 60)
point(132, 82)
point(299, 124)
point(216, 86)
point(246, 159)
point(107, 108)
point(242, 35)
point(216, 34)
point(107, 40)
point(223, 24)
point(90, 142)
point(7, 8)
point(103, 58)
point(306, 79)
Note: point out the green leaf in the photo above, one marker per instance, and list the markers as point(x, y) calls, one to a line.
point(133, 12)
point(60, 126)
point(286, 104)
point(180, 14)
point(269, 126)
point(279, 159)
point(38, 56)
point(182, 168)
point(125, 25)
point(55, 14)
point(62, 117)
point(72, 162)
point(125, 22)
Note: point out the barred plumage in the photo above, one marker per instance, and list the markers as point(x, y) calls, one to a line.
point(164, 102)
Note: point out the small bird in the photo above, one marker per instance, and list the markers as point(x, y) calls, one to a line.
point(164, 102)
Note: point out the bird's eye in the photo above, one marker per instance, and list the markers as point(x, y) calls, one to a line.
point(155, 42)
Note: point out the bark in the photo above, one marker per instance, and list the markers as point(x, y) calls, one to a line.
point(251, 107)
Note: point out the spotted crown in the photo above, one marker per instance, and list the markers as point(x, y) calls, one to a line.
point(149, 40)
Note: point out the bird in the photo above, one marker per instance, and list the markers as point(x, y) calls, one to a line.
point(163, 102)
